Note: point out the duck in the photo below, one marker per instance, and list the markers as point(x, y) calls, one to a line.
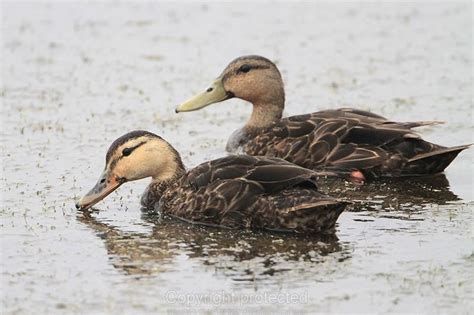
point(352, 142)
point(235, 191)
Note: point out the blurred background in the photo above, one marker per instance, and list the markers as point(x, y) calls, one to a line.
point(77, 75)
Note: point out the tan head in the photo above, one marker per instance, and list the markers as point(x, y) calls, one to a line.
point(252, 78)
point(133, 156)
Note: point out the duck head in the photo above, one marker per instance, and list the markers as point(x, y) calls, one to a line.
point(133, 156)
point(251, 78)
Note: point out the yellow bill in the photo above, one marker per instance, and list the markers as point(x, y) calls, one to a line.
point(214, 94)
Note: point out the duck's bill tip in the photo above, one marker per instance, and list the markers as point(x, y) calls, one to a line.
point(84, 207)
point(86, 202)
point(106, 185)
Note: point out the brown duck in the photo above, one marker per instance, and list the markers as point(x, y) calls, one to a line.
point(348, 141)
point(236, 191)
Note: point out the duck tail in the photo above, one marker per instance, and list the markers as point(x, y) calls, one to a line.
point(304, 210)
point(416, 124)
point(322, 215)
point(433, 162)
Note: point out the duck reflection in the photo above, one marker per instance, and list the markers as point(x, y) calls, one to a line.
point(393, 193)
point(242, 255)
point(249, 256)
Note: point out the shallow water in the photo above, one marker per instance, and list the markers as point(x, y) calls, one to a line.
point(75, 77)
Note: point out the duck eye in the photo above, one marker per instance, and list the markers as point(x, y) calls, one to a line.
point(244, 68)
point(127, 151)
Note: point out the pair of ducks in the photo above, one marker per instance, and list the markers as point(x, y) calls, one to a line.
point(273, 186)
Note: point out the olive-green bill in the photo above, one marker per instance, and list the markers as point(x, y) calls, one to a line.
point(214, 94)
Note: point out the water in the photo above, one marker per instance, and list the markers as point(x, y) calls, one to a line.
point(77, 76)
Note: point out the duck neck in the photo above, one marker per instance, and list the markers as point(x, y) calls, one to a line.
point(159, 184)
point(170, 170)
point(170, 173)
point(265, 113)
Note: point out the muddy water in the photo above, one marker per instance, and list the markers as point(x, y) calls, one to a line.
point(75, 77)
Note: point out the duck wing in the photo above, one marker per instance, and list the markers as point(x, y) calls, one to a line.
point(250, 192)
point(374, 118)
point(343, 140)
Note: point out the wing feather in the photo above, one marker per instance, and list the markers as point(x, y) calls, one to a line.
point(344, 139)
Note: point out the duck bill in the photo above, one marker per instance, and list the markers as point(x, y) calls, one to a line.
point(106, 184)
point(214, 94)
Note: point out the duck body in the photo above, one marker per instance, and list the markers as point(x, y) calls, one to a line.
point(345, 140)
point(247, 192)
point(237, 191)
point(341, 140)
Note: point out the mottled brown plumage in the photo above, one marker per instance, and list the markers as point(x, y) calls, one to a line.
point(237, 191)
point(347, 141)
point(343, 141)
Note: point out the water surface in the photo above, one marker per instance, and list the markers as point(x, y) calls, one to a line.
point(77, 76)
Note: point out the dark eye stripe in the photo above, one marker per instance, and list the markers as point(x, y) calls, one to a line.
point(244, 68)
point(234, 72)
point(125, 152)
point(128, 151)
